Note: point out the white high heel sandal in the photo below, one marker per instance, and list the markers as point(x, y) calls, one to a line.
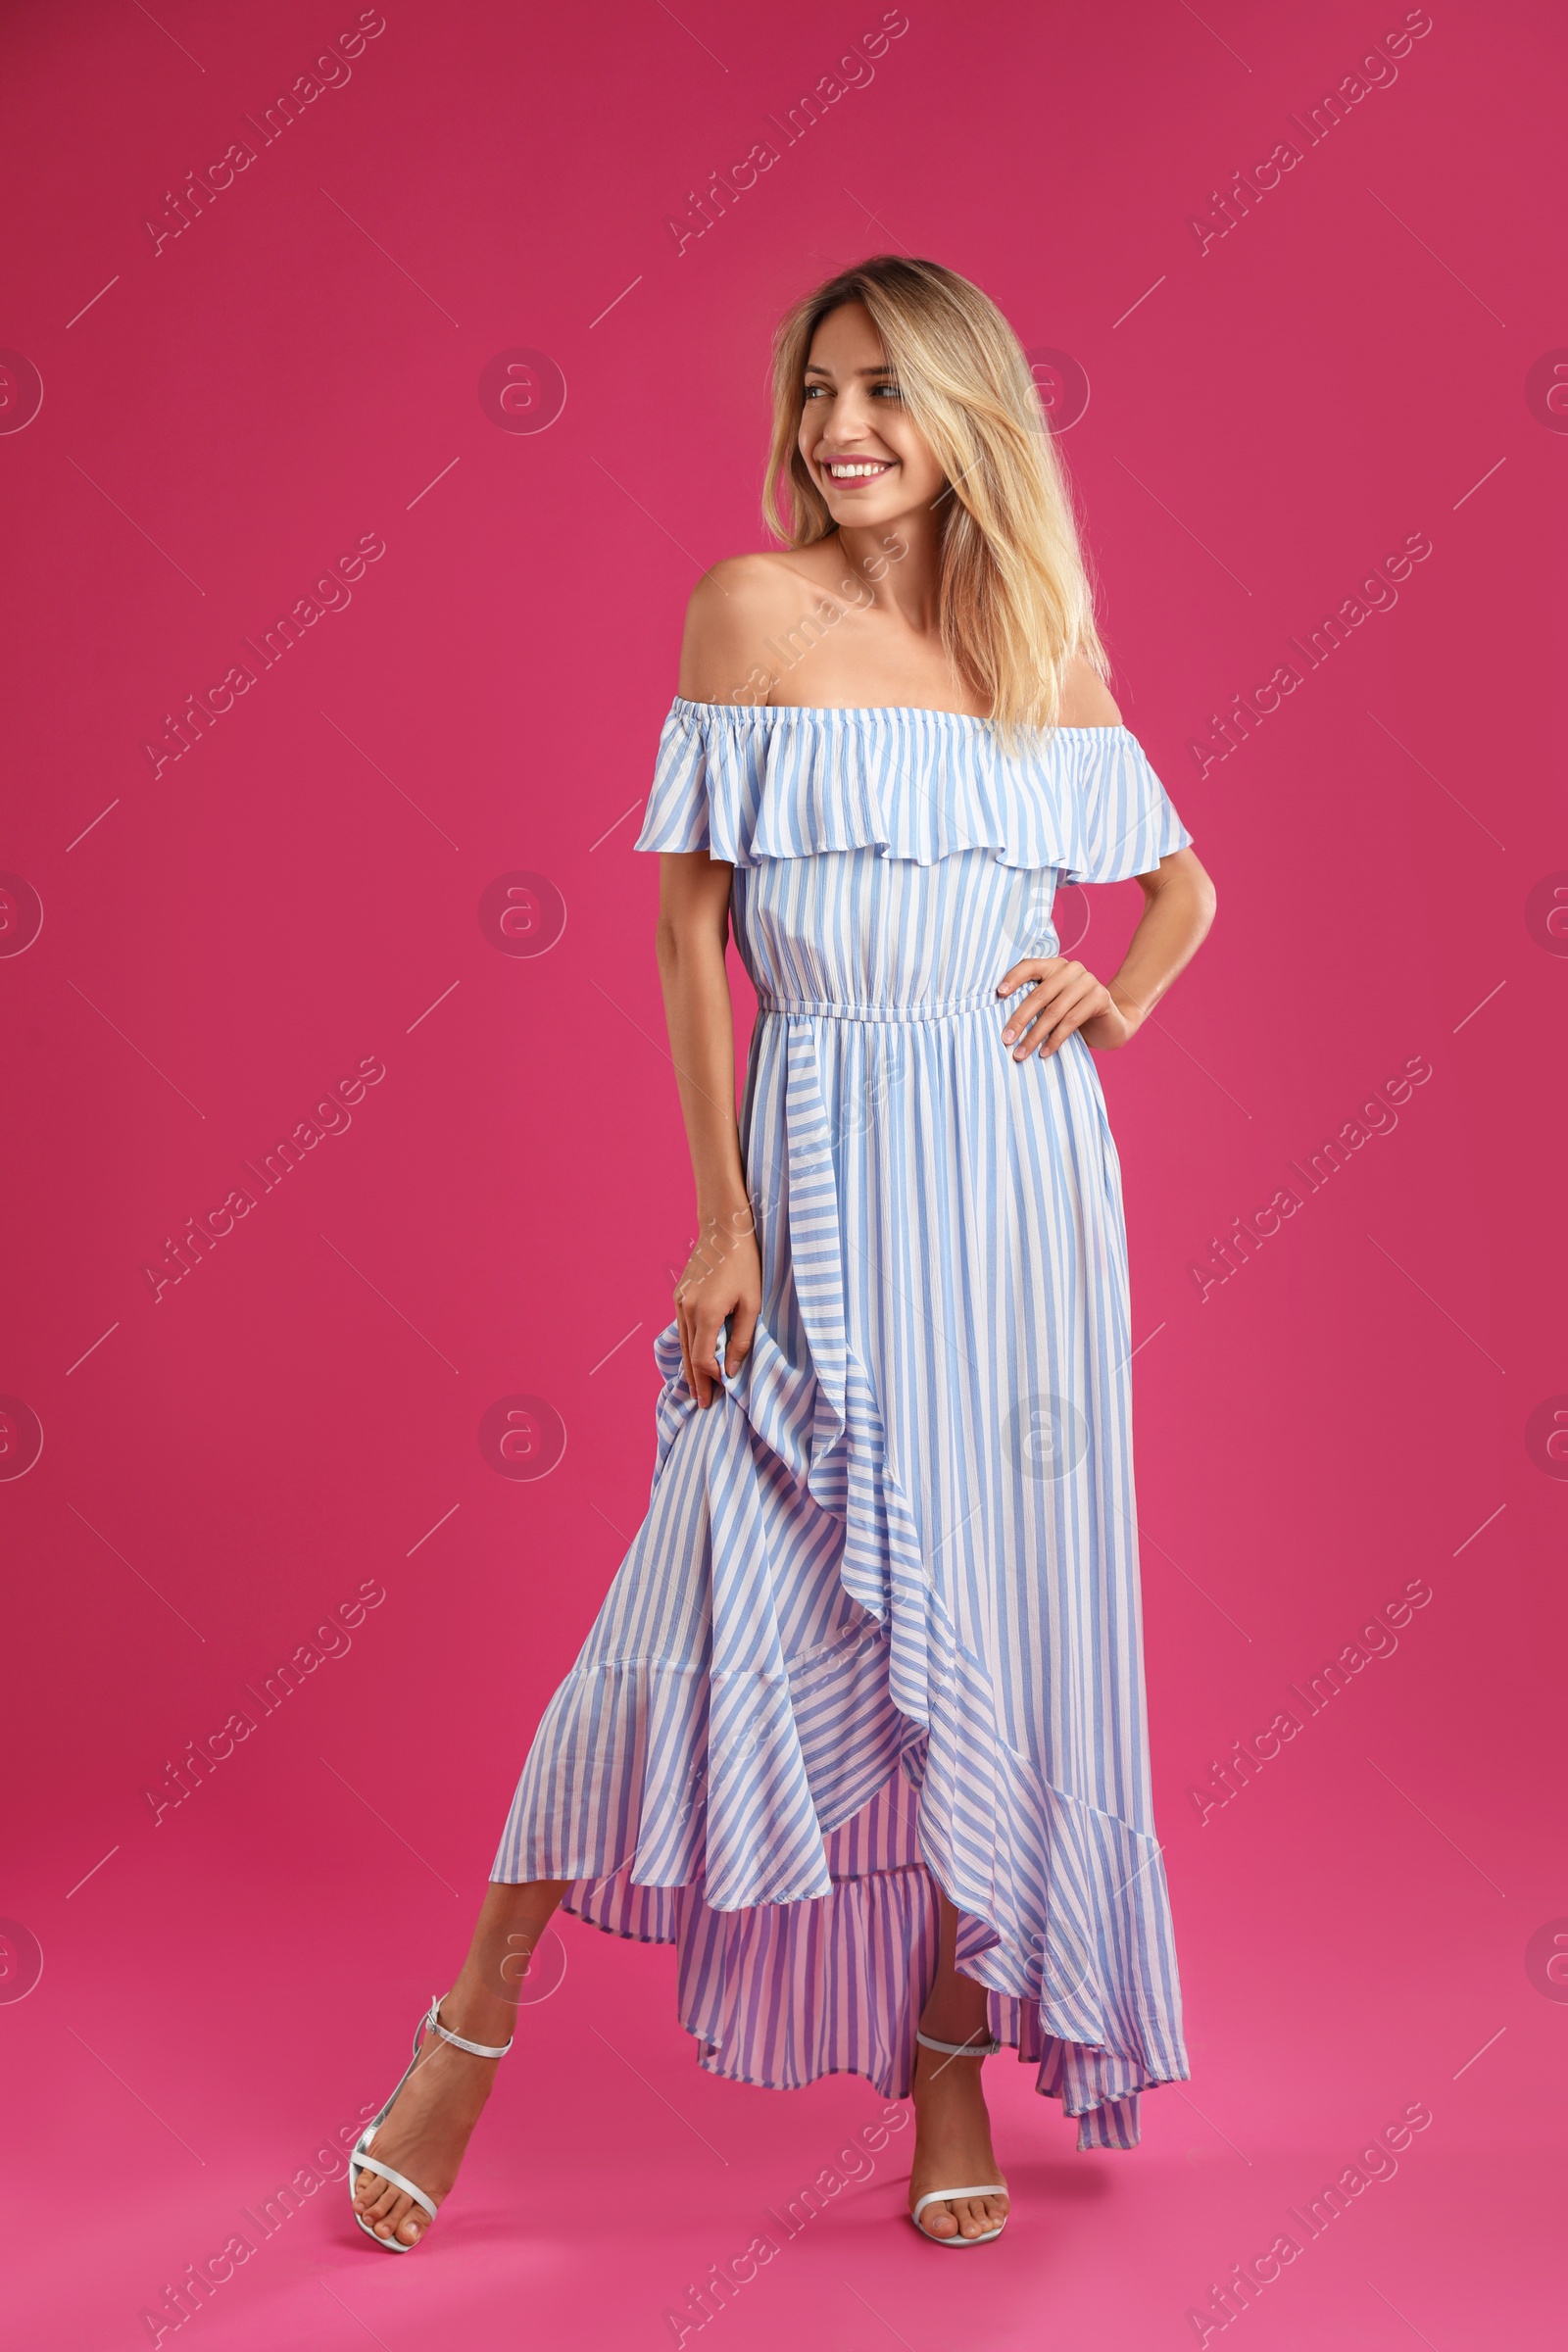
point(359, 2162)
point(940, 2196)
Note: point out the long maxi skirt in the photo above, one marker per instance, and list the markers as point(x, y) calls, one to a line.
point(879, 1632)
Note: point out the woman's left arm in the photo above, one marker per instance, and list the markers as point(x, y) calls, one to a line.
point(1179, 902)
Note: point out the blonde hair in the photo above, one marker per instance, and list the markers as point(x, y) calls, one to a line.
point(1015, 599)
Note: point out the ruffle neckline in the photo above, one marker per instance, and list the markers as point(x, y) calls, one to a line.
point(749, 782)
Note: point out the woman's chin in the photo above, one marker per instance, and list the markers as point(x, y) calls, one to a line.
point(867, 514)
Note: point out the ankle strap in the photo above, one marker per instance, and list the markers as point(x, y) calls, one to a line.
point(476, 2050)
point(959, 2049)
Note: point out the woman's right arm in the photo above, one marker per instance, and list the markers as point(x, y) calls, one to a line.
point(723, 1275)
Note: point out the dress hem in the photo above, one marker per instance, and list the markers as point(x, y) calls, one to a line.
point(1111, 2124)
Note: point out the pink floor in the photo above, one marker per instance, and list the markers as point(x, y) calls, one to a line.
point(202, 2038)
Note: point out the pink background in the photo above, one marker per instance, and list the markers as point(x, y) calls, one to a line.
point(1364, 1927)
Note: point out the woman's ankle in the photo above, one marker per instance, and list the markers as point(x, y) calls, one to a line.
point(477, 2013)
point(954, 2024)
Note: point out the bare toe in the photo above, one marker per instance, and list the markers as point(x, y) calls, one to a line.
point(938, 2221)
point(390, 2224)
point(378, 2212)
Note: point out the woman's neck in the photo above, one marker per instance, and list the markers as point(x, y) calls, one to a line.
point(900, 562)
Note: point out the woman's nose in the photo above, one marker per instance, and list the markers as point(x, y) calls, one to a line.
point(849, 420)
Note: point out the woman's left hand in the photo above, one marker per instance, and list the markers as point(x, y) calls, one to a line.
point(1066, 998)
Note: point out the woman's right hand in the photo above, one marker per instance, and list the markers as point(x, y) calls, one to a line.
point(723, 1281)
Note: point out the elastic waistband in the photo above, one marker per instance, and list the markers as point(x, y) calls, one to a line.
point(824, 1009)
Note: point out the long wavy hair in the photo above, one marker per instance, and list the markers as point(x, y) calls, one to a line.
point(1015, 599)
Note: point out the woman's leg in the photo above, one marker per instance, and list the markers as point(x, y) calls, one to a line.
point(427, 2130)
point(952, 2131)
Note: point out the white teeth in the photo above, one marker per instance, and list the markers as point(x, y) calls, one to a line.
point(852, 473)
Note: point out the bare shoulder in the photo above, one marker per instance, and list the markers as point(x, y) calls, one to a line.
point(734, 609)
point(1086, 699)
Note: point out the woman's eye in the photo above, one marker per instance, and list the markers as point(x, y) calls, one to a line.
point(891, 391)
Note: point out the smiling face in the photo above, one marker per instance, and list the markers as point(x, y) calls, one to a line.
point(866, 455)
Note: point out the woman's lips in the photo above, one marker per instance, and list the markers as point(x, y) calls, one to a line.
point(849, 470)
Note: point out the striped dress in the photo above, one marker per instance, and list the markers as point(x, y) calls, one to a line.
point(880, 1631)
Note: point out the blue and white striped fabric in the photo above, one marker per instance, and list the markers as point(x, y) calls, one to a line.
point(880, 1630)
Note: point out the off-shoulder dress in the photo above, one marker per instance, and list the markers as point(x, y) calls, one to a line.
point(880, 1631)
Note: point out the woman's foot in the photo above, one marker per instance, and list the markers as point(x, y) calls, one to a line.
point(952, 2141)
point(425, 2135)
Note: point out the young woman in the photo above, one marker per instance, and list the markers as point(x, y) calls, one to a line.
point(861, 1725)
